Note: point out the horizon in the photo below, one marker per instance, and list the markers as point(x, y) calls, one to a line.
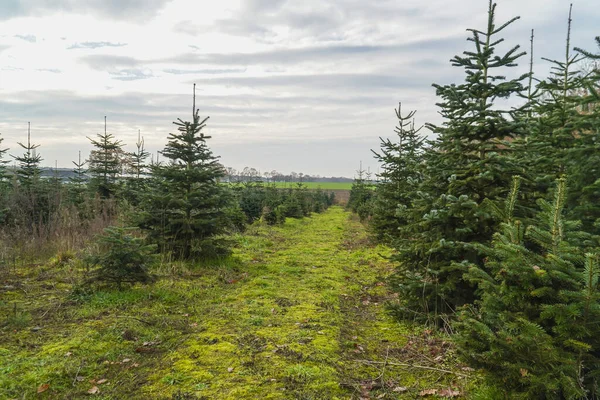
point(288, 87)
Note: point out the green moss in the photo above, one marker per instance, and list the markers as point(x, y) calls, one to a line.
point(282, 318)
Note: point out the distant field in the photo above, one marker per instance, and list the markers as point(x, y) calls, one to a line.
point(316, 185)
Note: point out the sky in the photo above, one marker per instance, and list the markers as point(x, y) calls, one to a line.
point(304, 86)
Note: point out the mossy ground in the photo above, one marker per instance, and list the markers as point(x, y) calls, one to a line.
point(298, 312)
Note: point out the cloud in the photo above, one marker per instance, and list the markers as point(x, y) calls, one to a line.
point(324, 82)
point(52, 70)
point(27, 38)
point(132, 74)
point(95, 45)
point(312, 54)
point(204, 71)
point(104, 62)
point(129, 10)
point(3, 47)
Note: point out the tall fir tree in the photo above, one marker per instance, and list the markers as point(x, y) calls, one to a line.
point(467, 164)
point(185, 211)
point(105, 163)
point(400, 177)
point(584, 199)
point(557, 120)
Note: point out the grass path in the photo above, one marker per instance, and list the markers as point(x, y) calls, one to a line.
point(297, 313)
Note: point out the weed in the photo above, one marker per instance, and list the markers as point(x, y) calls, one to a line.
point(301, 374)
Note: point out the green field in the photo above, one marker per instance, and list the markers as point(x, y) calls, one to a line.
point(316, 185)
point(322, 185)
point(298, 312)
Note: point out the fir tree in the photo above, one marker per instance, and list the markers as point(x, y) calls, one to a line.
point(535, 330)
point(78, 182)
point(28, 171)
point(185, 211)
point(468, 163)
point(105, 163)
point(2, 162)
point(401, 176)
point(123, 258)
point(584, 174)
point(135, 184)
point(558, 121)
point(361, 194)
point(31, 203)
point(138, 158)
point(3, 183)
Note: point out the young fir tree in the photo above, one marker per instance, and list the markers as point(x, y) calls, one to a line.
point(536, 329)
point(105, 163)
point(78, 182)
point(30, 203)
point(138, 158)
point(122, 258)
point(2, 163)
point(467, 164)
point(361, 194)
point(135, 183)
point(28, 171)
point(400, 179)
point(185, 211)
point(3, 183)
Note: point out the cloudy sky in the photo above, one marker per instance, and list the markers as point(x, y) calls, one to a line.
point(305, 86)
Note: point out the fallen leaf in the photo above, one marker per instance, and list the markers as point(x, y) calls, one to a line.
point(230, 369)
point(381, 396)
point(449, 393)
point(68, 354)
point(94, 390)
point(101, 381)
point(126, 360)
point(135, 365)
point(523, 372)
point(79, 378)
point(145, 350)
point(427, 392)
point(399, 389)
point(43, 387)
